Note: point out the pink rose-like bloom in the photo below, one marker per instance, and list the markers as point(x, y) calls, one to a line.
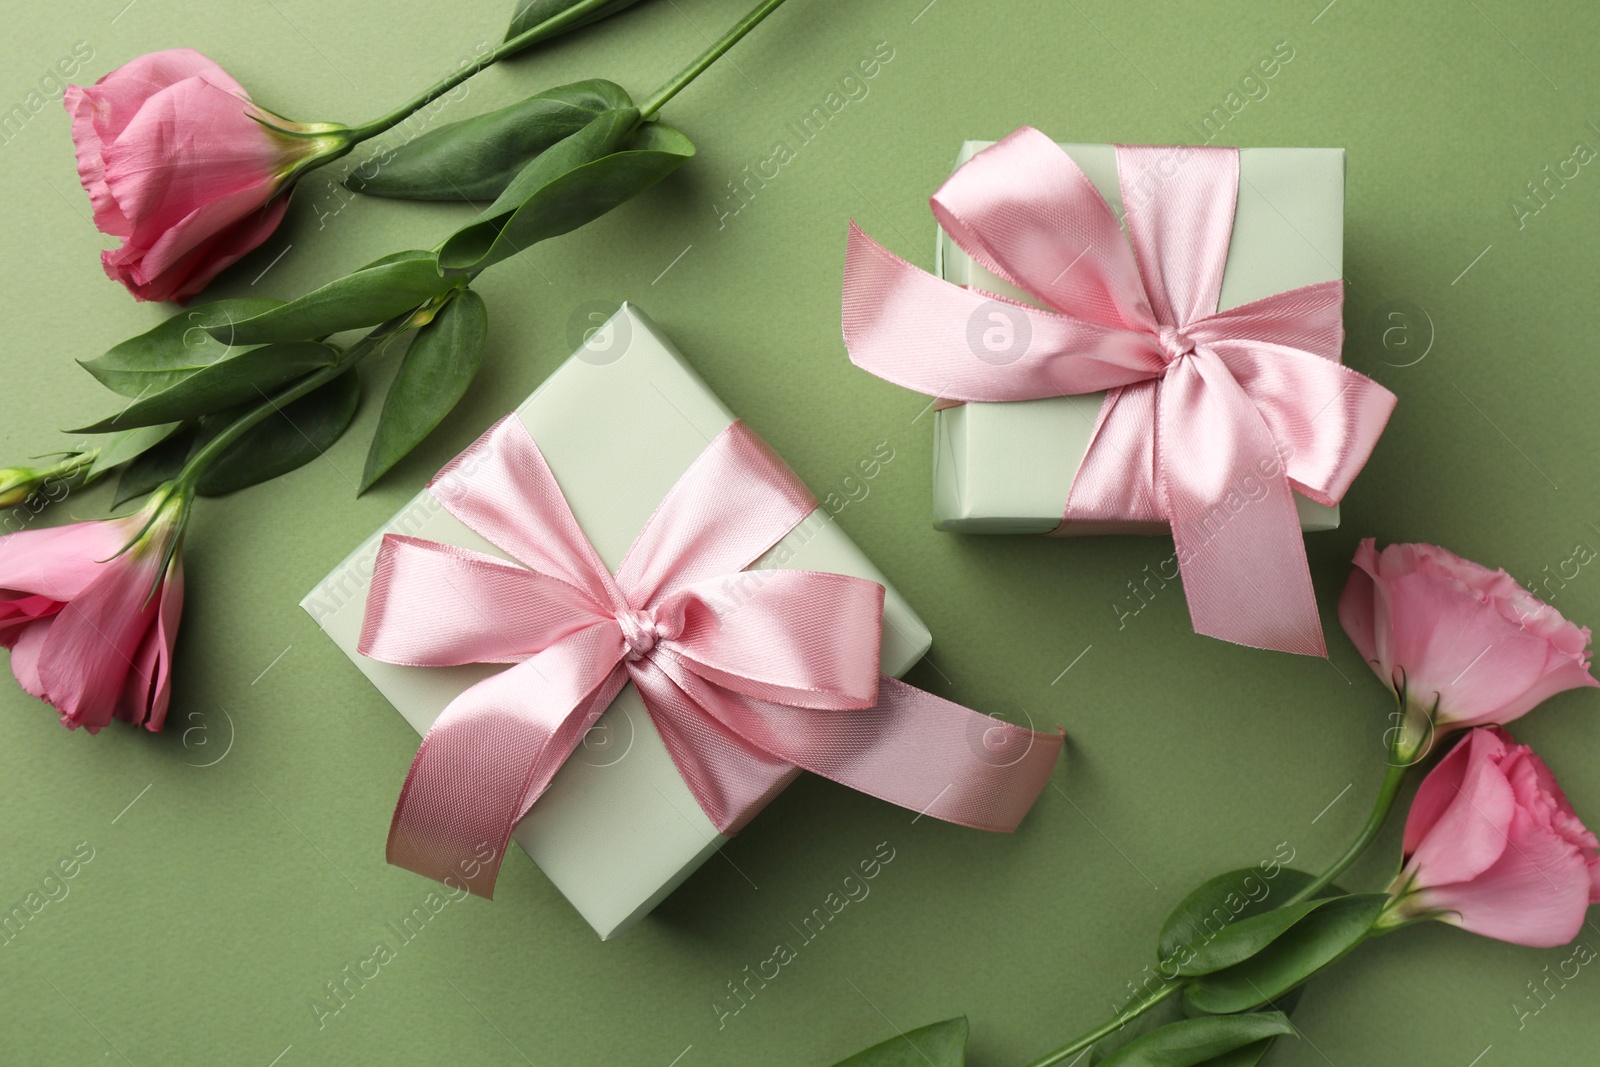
point(1492, 846)
point(91, 630)
point(179, 164)
point(1445, 629)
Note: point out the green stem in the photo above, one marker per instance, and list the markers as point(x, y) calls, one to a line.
point(373, 342)
point(1123, 1018)
point(1380, 813)
point(548, 28)
point(706, 58)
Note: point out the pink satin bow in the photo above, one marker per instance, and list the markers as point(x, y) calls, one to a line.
point(748, 675)
point(1210, 417)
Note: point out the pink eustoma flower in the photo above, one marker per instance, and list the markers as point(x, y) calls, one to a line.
point(1465, 645)
point(180, 164)
point(90, 626)
point(1492, 846)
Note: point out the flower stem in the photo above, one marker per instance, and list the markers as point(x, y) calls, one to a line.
point(373, 342)
point(1123, 1018)
point(1380, 813)
point(548, 28)
point(709, 56)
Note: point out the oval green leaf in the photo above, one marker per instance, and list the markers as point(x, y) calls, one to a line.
point(153, 467)
point(942, 1044)
point(476, 158)
point(160, 358)
point(530, 13)
point(378, 291)
point(250, 374)
point(605, 164)
point(1220, 902)
point(1198, 1041)
point(1245, 938)
point(125, 445)
point(1319, 939)
point(286, 440)
point(432, 378)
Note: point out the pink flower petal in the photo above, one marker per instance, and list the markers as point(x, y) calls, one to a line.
point(91, 645)
point(59, 561)
point(1468, 832)
point(25, 649)
point(148, 689)
point(1537, 893)
point(1356, 612)
point(190, 144)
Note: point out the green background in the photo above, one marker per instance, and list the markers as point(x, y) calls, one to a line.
point(221, 900)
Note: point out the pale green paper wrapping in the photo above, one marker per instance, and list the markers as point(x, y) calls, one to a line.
point(1007, 468)
point(618, 423)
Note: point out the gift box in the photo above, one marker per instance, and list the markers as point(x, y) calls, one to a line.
point(1007, 468)
point(619, 423)
point(1136, 339)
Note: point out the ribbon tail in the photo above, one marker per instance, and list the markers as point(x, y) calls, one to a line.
point(492, 752)
point(1221, 481)
point(911, 748)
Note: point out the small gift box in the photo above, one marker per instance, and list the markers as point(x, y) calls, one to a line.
point(1136, 339)
point(644, 713)
point(1007, 468)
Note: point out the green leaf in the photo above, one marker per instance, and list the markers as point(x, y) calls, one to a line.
point(160, 358)
point(1246, 937)
point(250, 374)
point(1320, 938)
point(1198, 1041)
point(432, 378)
point(1220, 902)
point(153, 467)
point(378, 291)
point(124, 445)
point(576, 181)
point(941, 1044)
point(530, 13)
point(285, 441)
point(476, 158)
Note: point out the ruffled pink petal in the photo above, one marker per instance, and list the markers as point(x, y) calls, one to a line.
point(25, 656)
point(188, 145)
point(1537, 893)
point(1356, 609)
point(92, 643)
point(1458, 647)
point(1468, 831)
point(1562, 674)
point(59, 561)
point(86, 142)
point(149, 686)
point(186, 258)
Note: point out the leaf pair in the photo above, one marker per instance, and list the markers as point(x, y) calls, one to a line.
point(610, 161)
point(476, 158)
point(284, 441)
point(379, 291)
point(942, 1044)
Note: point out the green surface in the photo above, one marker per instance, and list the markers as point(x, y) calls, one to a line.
point(221, 898)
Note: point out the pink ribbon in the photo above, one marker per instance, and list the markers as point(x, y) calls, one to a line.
point(1210, 418)
point(748, 675)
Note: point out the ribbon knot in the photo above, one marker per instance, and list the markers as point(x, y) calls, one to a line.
point(1212, 419)
point(1175, 343)
point(742, 700)
point(639, 632)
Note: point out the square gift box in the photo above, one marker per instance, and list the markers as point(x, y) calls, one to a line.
point(1006, 468)
point(619, 423)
